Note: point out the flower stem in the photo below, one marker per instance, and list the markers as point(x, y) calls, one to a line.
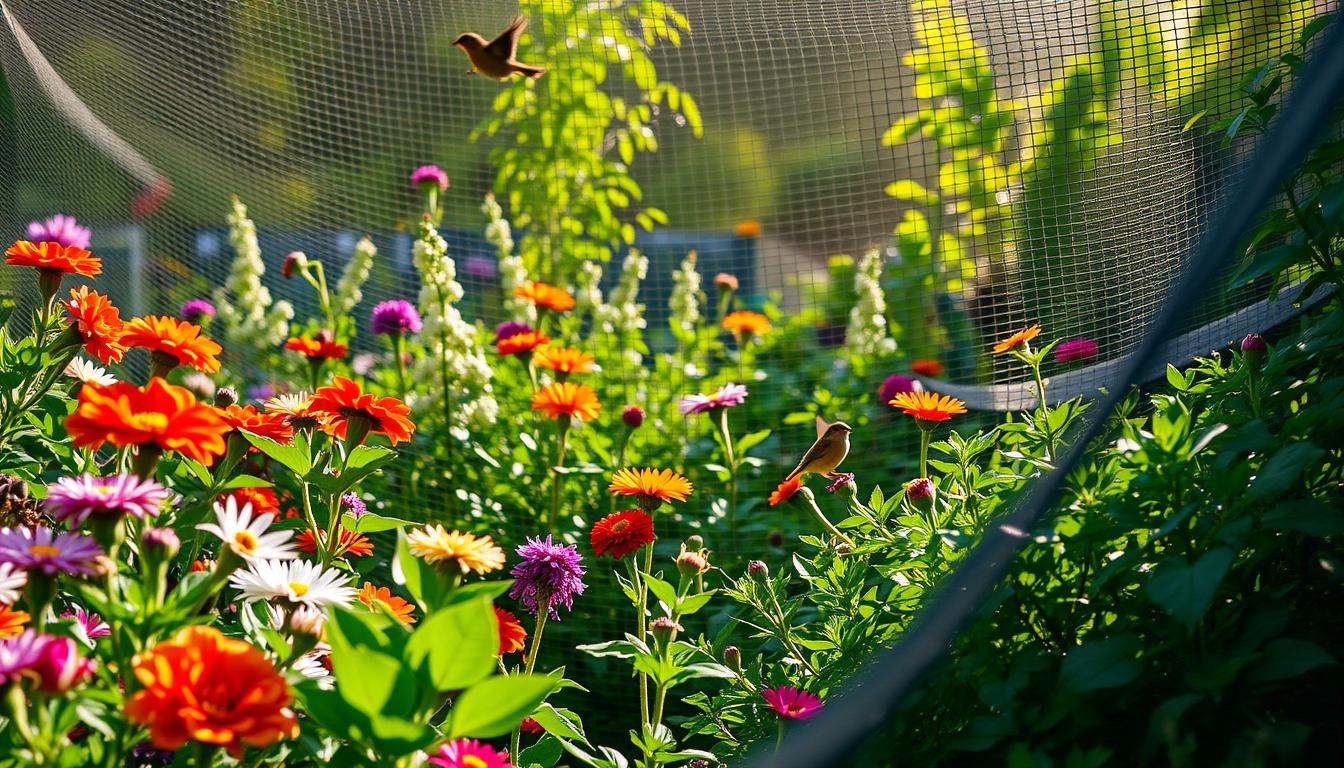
point(399, 350)
point(731, 457)
point(643, 626)
point(557, 477)
point(925, 435)
point(816, 511)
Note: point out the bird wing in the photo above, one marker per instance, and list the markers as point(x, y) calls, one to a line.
point(815, 452)
point(505, 46)
point(822, 426)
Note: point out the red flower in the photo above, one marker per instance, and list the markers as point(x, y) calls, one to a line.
point(263, 500)
point(621, 533)
point(512, 636)
point(159, 413)
point(786, 490)
point(344, 401)
point(66, 259)
point(347, 543)
point(931, 368)
point(325, 349)
point(248, 419)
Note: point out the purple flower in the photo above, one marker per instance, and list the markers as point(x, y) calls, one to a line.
point(354, 505)
point(1253, 342)
point(40, 549)
point(261, 392)
point(481, 267)
point(393, 317)
point(633, 416)
point(146, 752)
point(841, 480)
point(509, 328)
point(93, 624)
point(18, 655)
point(549, 574)
point(727, 396)
point(196, 310)
point(429, 174)
point(896, 384)
point(1075, 349)
point(60, 228)
point(73, 500)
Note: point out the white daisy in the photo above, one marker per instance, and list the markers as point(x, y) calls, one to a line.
point(302, 620)
point(12, 582)
point(297, 581)
point(310, 666)
point(247, 535)
point(88, 373)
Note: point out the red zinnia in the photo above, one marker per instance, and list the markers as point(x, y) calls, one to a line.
point(345, 401)
point(178, 342)
point(263, 500)
point(248, 419)
point(317, 348)
point(512, 636)
point(347, 543)
point(66, 259)
point(521, 342)
point(159, 413)
point(621, 533)
point(930, 368)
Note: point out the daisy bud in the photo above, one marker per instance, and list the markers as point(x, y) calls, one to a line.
point(692, 562)
point(308, 622)
point(732, 657)
point(725, 282)
point(225, 396)
point(294, 262)
point(663, 630)
point(1253, 347)
point(921, 493)
point(758, 571)
point(633, 416)
point(159, 544)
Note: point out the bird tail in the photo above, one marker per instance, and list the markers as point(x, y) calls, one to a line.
point(532, 72)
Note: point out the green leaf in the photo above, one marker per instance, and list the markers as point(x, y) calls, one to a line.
point(455, 647)
point(751, 440)
point(1280, 473)
point(1310, 516)
point(1100, 664)
point(545, 753)
point(561, 723)
point(372, 523)
point(662, 590)
point(1185, 590)
point(494, 706)
point(425, 583)
point(246, 481)
point(911, 191)
point(1286, 658)
point(294, 457)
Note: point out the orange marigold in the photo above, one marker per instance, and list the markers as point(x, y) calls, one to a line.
point(12, 621)
point(347, 543)
point(563, 398)
point(263, 500)
point(160, 413)
point(248, 419)
point(930, 368)
point(98, 323)
point(786, 490)
point(546, 295)
point(373, 597)
point(563, 360)
point(746, 323)
point(652, 485)
point(1021, 337)
point(512, 636)
point(175, 340)
point(325, 349)
point(521, 342)
point(344, 402)
point(202, 686)
point(65, 259)
point(928, 406)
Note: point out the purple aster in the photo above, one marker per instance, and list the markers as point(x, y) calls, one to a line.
point(509, 328)
point(896, 384)
point(481, 267)
point(146, 752)
point(93, 624)
point(727, 396)
point(72, 500)
point(354, 505)
point(396, 316)
point(20, 654)
point(196, 310)
point(40, 549)
point(261, 392)
point(60, 228)
point(429, 174)
point(1075, 349)
point(549, 573)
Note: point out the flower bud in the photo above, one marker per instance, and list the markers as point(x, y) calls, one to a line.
point(844, 486)
point(633, 416)
point(758, 570)
point(324, 336)
point(775, 538)
point(692, 562)
point(294, 262)
point(59, 666)
point(843, 548)
point(663, 629)
point(1253, 347)
point(921, 493)
point(160, 544)
point(725, 282)
point(308, 622)
point(694, 541)
point(226, 396)
point(202, 566)
point(732, 657)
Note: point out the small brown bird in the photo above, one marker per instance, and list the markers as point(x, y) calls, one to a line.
point(825, 455)
point(496, 58)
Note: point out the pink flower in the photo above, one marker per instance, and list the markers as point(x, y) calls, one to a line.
point(633, 416)
point(93, 624)
point(469, 753)
point(1075, 349)
point(429, 174)
point(73, 500)
point(896, 384)
point(59, 666)
point(61, 229)
point(41, 549)
point(792, 703)
point(726, 397)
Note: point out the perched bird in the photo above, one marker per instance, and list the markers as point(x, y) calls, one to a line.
point(496, 58)
point(825, 455)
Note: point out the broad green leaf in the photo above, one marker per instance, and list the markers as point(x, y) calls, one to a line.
point(1099, 664)
point(496, 705)
point(455, 647)
point(372, 523)
point(1185, 590)
point(294, 457)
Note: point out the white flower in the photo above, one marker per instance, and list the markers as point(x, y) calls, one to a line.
point(303, 620)
point(248, 320)
point(512, 271)
point(867, 332)
point(685, 299)
point(587, 288)
point(88, 373)
point(310, 666)
point(246, 535)
point(12, 582)
point(349, 290)
point(298, 581)
point(200, 384)
point(623, 317)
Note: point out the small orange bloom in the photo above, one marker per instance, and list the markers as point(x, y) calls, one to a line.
point(347, 543)
point(248, 419)
point(930, 368)
point(263, 500)
point(563, 360)
point(746, 323)
point(373, 597)
point(98, 323)
point(662, 485)
point(564, 398)
point(1021, 337)
point(174, 338)
point(203, 686)
point(324, 349)
point(512, 636)
point(66, 259)
point(160, 413)
point(345, 401)
point(785, 490)
point(521, 342)
point(748, 228)
point(546, 295)
point(928, 406)
point(12, 621)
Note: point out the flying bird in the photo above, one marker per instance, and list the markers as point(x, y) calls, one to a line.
point(825, 455)
point(496, 58)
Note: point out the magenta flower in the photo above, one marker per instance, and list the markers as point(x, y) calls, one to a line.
point(633, 416)
point(550, 574)
point(20, 654)
point(726, 397)
point(1253, 342)
point(93, 624)
point(1075, 349)
point(509, 328)
point(429, 174)
point(196, 310)
point(896, 384)
point(60, 228)
point(469, 753)
point(353, 505)
point(72, 500)
point(41, 549)
point(481, 267)
point(59, 667)
point(841, 479)
point(393, 317)
point(792, 703)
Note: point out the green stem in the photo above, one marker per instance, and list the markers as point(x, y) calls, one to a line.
point(557, 477)
point(323, 554)
point(816, 512)
point(925, 435)
point(731, 457)
point(779, 737)
point(643, 624)
point(399, 350)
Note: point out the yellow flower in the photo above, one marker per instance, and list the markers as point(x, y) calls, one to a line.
point(435, 544)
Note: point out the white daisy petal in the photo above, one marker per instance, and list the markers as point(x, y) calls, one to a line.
point(247, 536)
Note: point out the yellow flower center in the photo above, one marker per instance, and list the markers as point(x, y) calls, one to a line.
point(620, 525)
point(44, 551)
point(152, 421)
point(298, 589)
point(472, 761)
point(245, 541)
point(103, 489)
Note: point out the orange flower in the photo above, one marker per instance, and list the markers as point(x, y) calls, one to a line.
point(746, 323)
point(563, 398)
point(12, 621)
point(324, 349)
point(347, 543)
point(785, 490)
point(203, 686)
point(521, 342)
point(748, 228)
point(98, 323)
point(930, 368)
point(66, 259)
point(176, 341)
point(374, 597)
point(263, 500)
point(546, 295)
point(248, 419)
point(160, 413)
point(512, 636)
point(1021, 337)
point(563, 360)
point(344, 402)
point(652, 486)
point(928, 406)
